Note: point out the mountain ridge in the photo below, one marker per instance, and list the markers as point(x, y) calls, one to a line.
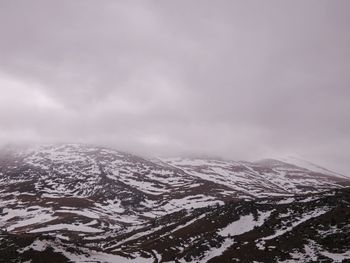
point(77, 194)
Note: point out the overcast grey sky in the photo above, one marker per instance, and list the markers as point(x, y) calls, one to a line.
point(238, 79)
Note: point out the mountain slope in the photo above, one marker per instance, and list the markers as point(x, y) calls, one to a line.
point(311, 228)
point(259, 179)
point(71, 200)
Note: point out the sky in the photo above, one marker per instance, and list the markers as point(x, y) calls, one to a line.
point(242, 79)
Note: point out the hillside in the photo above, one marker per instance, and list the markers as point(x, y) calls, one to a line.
point(91, 204)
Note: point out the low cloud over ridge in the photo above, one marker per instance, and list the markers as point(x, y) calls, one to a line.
point(238, 79)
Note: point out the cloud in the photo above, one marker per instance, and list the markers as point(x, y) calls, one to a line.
point(18, 95)
point(237, 79)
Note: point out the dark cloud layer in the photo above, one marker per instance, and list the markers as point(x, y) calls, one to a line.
point(239, 79)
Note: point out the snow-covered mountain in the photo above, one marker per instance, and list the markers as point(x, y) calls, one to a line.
point(86, 203)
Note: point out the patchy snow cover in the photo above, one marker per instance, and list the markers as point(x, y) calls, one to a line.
point(91, 190)
point(84, 213)
point(214, 252)
point(336, 257)
point(286, 201)
point(39, 219)
point(89, 256)
point(76, 227)
point(244, 224)
point(311, 251)
point(189, 202)
point(279, 232)
point(187, 224)
point(13, 219)
point(259, 179)
point(305, 217)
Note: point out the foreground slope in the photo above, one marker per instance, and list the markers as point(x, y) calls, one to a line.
point(310, 228)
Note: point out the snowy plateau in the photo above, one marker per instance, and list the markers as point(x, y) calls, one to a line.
point(80, 203)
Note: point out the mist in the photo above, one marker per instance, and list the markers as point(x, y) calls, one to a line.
point(236, 79)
